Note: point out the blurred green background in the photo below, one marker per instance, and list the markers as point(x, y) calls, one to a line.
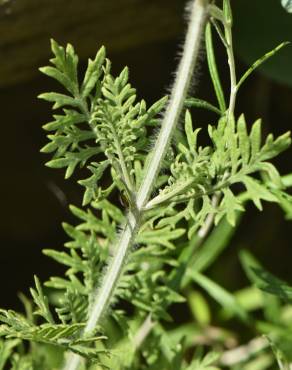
point(145, 35)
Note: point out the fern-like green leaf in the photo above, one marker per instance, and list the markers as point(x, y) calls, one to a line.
point(41, 301)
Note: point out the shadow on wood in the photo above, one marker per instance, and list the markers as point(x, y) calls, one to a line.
point(27, 25)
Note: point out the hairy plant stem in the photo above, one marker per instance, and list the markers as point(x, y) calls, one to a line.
point(143, 332)
point(127, 238)
point(203, 232)
point(245, 352)
point(179, 93)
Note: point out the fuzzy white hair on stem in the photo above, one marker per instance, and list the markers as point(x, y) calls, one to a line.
point(198, 15)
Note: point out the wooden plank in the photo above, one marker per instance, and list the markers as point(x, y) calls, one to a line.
point(27, 25)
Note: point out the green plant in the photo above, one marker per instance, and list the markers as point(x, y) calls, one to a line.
point(150, 252)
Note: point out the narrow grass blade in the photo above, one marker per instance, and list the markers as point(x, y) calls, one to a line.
point(198, 103)
point(259, 62)
point(213, 68)
point(222, 296)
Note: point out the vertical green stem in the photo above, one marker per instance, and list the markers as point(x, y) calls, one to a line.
point(231, 62)
point(179, 92)
point(204, 230)
point(127, 238)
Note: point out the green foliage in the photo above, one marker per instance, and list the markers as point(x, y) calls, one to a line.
point(205, 363)
point(65, 335)
point(278, 325)
point(213, 69)
point(101, 125)
point(260, 61)
point(224, 298)
point(198, 173)
point(265, 280)
point(6, 350)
